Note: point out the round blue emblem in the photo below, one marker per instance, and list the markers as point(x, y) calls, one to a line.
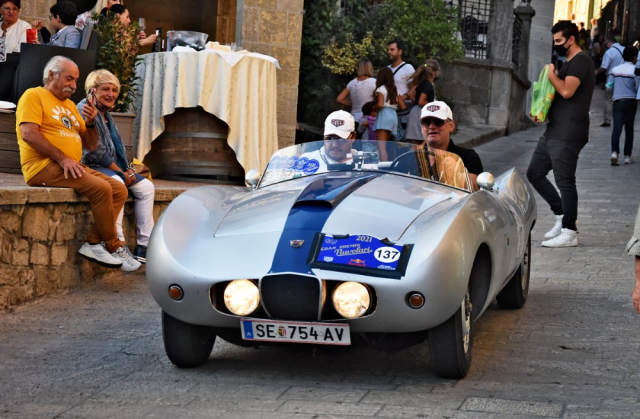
point(300, 164)
point(311, 167)
point(291, 162)
point(273, 164)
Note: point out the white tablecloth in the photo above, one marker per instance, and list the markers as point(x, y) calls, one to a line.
point(243, 95)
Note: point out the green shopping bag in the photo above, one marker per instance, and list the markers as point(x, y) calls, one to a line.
point(543, 94)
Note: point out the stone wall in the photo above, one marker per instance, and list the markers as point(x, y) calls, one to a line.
point(484, 91)
point(41, 230)
point(274, 27)
point(36, 9)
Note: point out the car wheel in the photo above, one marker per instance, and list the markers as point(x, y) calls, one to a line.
point(514, 294)
point(451, 343)
point(187, 345)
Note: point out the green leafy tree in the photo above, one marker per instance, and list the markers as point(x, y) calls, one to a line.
point(117, 51)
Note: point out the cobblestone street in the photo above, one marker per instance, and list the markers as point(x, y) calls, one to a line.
point(572, 352)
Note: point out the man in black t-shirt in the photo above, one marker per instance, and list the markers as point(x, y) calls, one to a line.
point(566, 134)
point(437, 125)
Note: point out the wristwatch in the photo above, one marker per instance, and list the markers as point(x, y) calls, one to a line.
point(91, 125)
point(132, 166)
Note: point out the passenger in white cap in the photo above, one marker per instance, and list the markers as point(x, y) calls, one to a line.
point(437, 123)
point(339, 135)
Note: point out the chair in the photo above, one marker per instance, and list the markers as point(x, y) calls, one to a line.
point(34, 57)
point(89, 38)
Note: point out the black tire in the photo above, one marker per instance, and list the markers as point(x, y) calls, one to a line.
point(187, 345)
point(450, 355)
point(514, 294)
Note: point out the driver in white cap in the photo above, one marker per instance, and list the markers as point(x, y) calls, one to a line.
point(339, 135)
point(437, 125)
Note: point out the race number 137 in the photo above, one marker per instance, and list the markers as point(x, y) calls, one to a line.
point(387, 254)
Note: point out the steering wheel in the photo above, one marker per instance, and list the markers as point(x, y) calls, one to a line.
point(406, 160)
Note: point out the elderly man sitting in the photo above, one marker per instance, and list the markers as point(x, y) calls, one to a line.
point(51, 133)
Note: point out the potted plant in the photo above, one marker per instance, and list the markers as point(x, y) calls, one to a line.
point(117, 52)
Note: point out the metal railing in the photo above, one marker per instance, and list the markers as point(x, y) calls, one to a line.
point(474, 16)
point(515, 44)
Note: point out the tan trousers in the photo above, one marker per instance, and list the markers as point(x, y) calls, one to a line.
point(107, 197)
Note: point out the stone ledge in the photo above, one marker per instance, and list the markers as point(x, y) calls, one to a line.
point(14, 191)
point(41, 230)
point(473, 135)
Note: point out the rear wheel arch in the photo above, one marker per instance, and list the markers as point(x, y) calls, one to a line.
point(480, 279)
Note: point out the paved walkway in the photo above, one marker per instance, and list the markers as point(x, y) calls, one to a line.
point(572, 352)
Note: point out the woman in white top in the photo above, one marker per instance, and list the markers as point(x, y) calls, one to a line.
point(387, 101)
point(13, 32)
point(359, 90)
point(12, 29)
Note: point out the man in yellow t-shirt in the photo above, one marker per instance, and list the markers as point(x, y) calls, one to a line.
point(51, 134)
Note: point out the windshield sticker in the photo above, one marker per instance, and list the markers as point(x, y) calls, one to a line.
point(291, 162)
point(273, 164)
point(299, 166)
point(311, 167)
point(357, 253)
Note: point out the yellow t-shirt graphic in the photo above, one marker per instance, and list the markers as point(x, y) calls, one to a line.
point(60, 123)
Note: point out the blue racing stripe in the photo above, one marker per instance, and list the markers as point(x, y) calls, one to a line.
point(308, 216)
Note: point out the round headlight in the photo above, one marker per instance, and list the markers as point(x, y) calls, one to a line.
point(351, 299)
point(242, 297)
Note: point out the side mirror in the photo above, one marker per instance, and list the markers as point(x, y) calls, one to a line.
point(485, 181)
point(252, 178)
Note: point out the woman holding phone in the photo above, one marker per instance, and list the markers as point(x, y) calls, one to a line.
point(110, 158)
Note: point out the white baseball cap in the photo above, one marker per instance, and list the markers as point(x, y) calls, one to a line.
point(436, 109)
point(340, 123)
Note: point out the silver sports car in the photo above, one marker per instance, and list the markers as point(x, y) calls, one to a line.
point(332, 246)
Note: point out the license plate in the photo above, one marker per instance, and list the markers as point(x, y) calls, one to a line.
point(295, 332)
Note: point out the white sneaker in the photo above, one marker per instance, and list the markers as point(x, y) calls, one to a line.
point(128, 262)
point(555, 230)
point(99, 254)
point(628, 160)
point(567, 238)
point(614, 159)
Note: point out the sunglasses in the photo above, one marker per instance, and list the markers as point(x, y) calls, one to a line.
point(437, 122)
point(335, 138)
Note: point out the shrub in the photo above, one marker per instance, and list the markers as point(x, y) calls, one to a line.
point(117, 51)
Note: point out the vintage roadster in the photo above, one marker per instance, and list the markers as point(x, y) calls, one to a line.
point(320, 252)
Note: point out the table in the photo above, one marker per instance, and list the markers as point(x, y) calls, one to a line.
point(239, 89)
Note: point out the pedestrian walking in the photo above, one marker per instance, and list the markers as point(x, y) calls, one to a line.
point(387, 101)
point(625, 91)
point(611, 58)
point(401, 73)
point(566, 134)
point(359, 90)
point(422, 91)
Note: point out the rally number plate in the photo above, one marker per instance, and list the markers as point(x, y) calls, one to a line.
point(295, 332)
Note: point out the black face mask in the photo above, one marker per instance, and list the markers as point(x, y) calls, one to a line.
point(561, 50)
point(437, 78)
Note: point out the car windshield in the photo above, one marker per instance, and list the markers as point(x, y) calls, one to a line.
point(348, 155)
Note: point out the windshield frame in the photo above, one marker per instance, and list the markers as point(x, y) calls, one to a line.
point(293, 162)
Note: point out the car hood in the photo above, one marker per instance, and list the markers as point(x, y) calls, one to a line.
point(376, 204)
